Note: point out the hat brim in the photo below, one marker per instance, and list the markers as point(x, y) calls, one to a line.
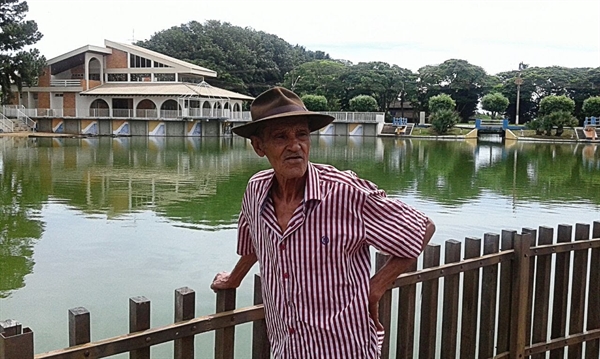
point(316, 121)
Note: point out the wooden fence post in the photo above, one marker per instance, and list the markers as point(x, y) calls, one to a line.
point(405, 336)
point(592, 348)
point(542, 291)
point(532, 261)
point(225, 338)
point(468, 333)
point(385, 308)
point(79, 326)
point(578, 288)
point(520, 293)
point(16, 342)
point(429, 306)
point(185, 309)
point(504, 310)
point(260, 342)
point(450, 308)
point(489, 289)
point(561, 290)
point(139, 319)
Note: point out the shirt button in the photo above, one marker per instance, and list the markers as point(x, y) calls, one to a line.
point(282, 247)
point(286, 275)
point(292, 331)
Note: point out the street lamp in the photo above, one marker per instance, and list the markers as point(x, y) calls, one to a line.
point(518, 82)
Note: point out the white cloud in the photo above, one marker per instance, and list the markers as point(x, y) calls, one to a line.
point(496, 35)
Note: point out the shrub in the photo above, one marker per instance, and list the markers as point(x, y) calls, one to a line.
point(363, 103)
point(441, 102)
point(552, 103)
point(443, 120)
point(591, 107)
point(315, 102)
point(496, 103)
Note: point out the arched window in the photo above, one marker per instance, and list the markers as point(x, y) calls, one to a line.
point(99, 108)
point(170, 109)
point(147, 109)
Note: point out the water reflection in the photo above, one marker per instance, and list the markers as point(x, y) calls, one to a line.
point(198, 183)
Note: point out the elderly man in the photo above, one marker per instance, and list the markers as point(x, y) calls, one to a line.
point(310, 226)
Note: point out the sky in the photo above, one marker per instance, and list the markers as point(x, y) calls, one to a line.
point(496, 35)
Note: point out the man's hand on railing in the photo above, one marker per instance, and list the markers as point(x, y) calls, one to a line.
point(223, 280)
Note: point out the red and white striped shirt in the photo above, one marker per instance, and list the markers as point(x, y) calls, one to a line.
point(315, 276)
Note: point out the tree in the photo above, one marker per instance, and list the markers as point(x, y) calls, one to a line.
point(441, 102)
point(553, 103)
point(443, 120)
point(247, 61)
point(591, 107)
point(539, 82)
point(557, 112)
point(465, 82)
point(315, 102)
point(363, 103)
point(17, 66)
point(384, 82)
point(495, 102)
point(318, 77)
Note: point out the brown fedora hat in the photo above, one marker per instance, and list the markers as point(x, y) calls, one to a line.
point(278, 103)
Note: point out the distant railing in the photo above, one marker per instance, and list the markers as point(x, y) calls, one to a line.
point(65, 83)
point(524, 295)
point(6, 124)
point(99, 112)
point(591, 122)
point(358, 117)
point(354, 116)
point(20, 114)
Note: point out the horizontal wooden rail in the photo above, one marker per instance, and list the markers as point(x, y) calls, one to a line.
point(453, 268)
point(159, 335)
point(565, 247)
point(563, 342)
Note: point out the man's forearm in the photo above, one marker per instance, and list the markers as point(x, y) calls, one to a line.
point(242, 268)
point(226, 280)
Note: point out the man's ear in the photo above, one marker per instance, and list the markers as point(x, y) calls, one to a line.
point(257, 145)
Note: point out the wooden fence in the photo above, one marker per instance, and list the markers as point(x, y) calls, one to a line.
point(525, 295)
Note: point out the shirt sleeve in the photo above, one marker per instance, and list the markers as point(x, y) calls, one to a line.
point(244, 243)
point(392, 226)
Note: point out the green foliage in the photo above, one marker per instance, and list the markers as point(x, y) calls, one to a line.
point(557, 119)
point(17, 66)
point(465, 82)
point(443, 120)
point(553, 103)
point(384, 82)
point(246, 60)
point(591, 107)
point(315, 102)
point(495, 102)
point(540, 82)
point(363, 103)
point(441, 102)
point(319, 77)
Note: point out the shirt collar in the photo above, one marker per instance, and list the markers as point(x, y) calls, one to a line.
point(312, 189)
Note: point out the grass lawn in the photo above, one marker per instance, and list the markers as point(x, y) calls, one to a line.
point(568, 133)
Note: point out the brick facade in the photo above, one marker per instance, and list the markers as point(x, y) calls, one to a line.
point(118, 60)
point(44, 79)
point(69, 104)
point(43, 100)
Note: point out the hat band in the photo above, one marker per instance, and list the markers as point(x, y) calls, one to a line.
point(282, 109)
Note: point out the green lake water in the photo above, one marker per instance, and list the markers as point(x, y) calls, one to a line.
point(92, 222)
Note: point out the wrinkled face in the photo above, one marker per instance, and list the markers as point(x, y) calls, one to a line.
point(286, 144)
